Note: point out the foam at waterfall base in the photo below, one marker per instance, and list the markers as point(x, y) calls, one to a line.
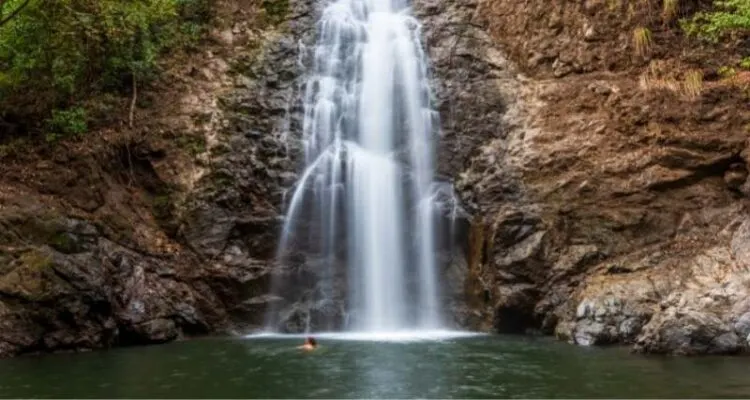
point(395, 336)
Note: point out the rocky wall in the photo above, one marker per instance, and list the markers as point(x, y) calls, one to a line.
point(608, 207)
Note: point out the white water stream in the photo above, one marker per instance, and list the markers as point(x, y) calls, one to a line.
point(369, 155)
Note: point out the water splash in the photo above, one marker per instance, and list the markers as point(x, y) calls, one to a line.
point(380, 336)
point(368, 187)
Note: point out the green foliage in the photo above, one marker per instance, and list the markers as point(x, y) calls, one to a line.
point(71, 122)
point(275, 10)
point(642, 41)
point(193, 144)
point(57, 52)
point(669, 10)
point(63, 242)
point(36, 260)
point(726, 72)
point(162, 206)
point(727, 17)
point(12, 148)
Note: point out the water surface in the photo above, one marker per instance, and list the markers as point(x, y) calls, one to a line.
point(469, 367)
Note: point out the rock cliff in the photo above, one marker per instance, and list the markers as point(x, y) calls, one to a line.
point(166, 229)
point(609, 194)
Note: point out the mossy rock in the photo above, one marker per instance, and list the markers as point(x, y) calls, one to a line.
point(164, 210)
point(192, 144)
point(65, 242)
point(49, 230)
point(28, 228)
point(32, 277)
point(276, 11)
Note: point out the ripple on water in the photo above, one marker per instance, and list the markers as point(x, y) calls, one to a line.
point(320, 392)
point(348, 369)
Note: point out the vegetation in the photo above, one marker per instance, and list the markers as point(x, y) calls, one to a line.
point(192, 144)
point(727, 17)
point(727, 72)
point(723, 21)
point(642, 41)
point(669, 10)
point(70, 122)
point(693, 84)
point(55, 54)
point(660, 75)
point(10, 9)
point(36, 260)
point(275, 10)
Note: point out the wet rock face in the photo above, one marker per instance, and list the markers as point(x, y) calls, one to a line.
point(233, 219)
point(469, 73)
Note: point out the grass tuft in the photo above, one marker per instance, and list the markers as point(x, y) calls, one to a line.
point(692, 86)
point(642, 41)
point(669, 10)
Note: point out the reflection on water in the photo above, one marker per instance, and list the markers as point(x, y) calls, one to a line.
point(479, 367)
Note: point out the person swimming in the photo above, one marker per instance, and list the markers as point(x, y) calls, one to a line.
point(310, 344)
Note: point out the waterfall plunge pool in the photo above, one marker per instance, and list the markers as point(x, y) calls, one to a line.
point(347, 367)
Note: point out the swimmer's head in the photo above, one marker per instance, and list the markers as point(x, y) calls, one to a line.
point(311, 341)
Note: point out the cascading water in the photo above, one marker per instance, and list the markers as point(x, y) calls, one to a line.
point(368, 183)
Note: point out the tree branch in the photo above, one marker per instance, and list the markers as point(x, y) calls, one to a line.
point(132, 102)
point(4, 20)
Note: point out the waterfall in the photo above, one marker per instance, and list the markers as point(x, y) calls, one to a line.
point(367, 190)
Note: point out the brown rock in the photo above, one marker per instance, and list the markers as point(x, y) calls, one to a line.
point(131, 241)
point(626, 183)
point(736, 176)
point(689, 333)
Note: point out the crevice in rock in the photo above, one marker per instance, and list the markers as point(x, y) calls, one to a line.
point(714, 169)
point(514, 320)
